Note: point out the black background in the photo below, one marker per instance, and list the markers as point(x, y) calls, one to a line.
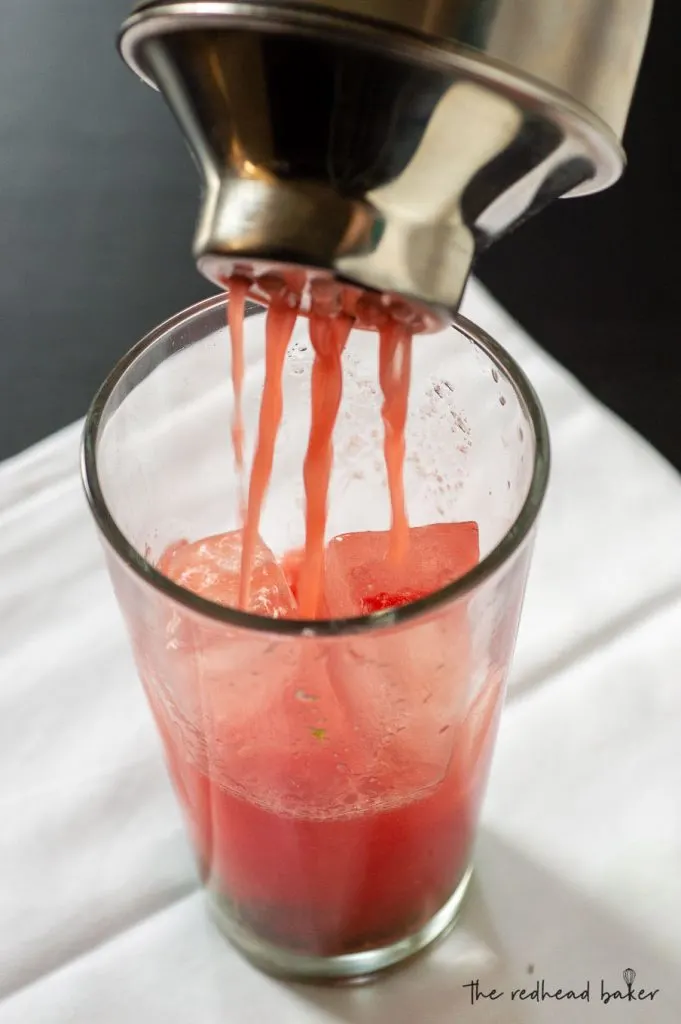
point(98, 197)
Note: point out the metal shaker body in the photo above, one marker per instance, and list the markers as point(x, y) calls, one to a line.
point(380, 144)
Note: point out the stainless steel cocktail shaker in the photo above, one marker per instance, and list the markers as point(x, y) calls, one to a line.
point(375, 146)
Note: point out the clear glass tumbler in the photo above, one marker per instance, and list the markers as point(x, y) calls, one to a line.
point(331, 772)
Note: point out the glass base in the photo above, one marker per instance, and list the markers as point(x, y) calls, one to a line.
point(283, 963)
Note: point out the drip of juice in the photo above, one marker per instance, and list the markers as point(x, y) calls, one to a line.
point(394, 377)
point(238, 289)
point(329, 337)
point(281, 318)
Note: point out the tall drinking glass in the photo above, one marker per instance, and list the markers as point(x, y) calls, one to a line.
point(331, 772)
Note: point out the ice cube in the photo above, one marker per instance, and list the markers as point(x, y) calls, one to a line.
point(211, 675)
point(407, 684)
point(211, 568)
point(250, 697)
point(360, 578)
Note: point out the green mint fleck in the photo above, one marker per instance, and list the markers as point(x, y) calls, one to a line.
point(306, 697)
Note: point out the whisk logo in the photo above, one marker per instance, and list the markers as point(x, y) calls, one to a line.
point(631, 994)
point(541, 992)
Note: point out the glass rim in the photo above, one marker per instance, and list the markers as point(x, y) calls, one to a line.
point(486, 568)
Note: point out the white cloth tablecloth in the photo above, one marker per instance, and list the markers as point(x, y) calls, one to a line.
point(579, 862)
